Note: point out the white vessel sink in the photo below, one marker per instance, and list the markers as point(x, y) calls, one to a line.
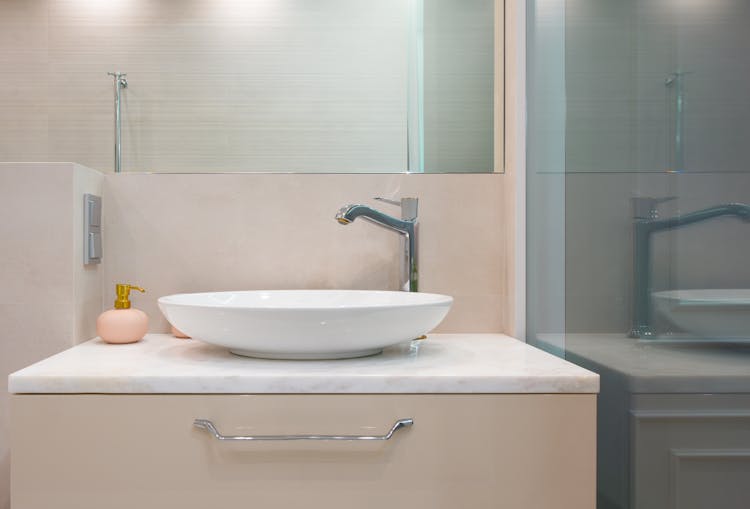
point(709, 314)
point(305, 324)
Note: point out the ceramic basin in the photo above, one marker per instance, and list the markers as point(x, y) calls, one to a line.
point(305, 324)
point(710, 314)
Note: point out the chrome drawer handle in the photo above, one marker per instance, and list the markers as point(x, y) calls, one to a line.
point(209, 426)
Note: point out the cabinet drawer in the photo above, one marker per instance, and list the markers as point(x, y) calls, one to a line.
point(143, 451)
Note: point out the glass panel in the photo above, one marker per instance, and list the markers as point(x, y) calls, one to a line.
point(545, 167)
point(639, 234)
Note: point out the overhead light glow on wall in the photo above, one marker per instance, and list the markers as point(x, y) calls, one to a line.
point(99, 8)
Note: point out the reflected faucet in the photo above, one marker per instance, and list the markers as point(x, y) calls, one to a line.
point(646, 224)
point(407, 226)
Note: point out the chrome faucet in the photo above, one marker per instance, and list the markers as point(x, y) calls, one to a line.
point(407, 226)
point(121, 82)
point(647, 223)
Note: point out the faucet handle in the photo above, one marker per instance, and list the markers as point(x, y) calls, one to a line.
point(646, 207)
point(409, 206)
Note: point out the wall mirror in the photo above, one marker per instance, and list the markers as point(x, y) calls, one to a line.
point(309, 86)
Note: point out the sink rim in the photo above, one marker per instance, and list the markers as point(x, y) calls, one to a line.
point(705, 297)
point(410, 299)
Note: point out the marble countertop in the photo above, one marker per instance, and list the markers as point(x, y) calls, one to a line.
point(443, 363)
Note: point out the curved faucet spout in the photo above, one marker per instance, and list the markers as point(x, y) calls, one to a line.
point(406, 227)
point(731, 209)
point(349, 213)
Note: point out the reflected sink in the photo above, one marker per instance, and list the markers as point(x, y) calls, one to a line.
point(709, 314)
point(305, 324)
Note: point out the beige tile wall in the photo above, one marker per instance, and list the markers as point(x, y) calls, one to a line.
point(510, 111)
point(87, 278)
point(48, 299)
point(188, 233)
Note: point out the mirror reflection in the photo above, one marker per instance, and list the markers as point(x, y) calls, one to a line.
point(342, 86)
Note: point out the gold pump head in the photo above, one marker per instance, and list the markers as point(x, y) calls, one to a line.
point(123, 295)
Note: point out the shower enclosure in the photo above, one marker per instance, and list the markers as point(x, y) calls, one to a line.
point(638, 237)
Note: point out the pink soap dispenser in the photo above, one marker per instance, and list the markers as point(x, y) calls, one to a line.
point(122, 324)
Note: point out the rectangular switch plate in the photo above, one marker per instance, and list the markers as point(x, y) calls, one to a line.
point(92, 229)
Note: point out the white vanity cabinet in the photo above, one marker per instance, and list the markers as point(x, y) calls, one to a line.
point(131, 447)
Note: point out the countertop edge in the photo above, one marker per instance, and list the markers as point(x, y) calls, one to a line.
point(505, 366)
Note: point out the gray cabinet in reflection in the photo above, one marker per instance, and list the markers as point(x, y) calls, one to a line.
point(690, 451)
point(673, 422)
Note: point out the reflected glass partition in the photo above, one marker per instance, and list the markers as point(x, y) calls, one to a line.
point(639, 235)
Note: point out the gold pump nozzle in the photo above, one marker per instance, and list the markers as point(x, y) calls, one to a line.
point(123, 295)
